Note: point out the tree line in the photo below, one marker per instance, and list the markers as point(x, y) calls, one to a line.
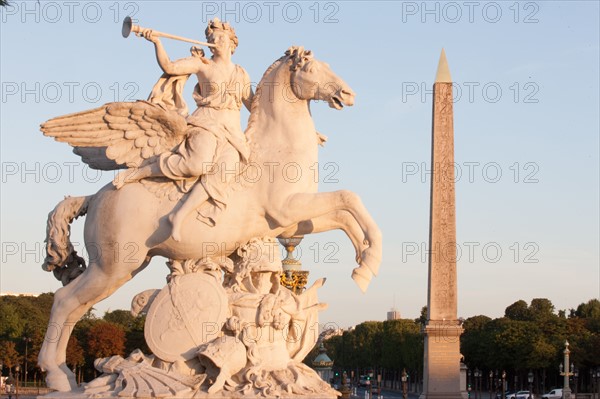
point(23, 323)
point(528, 338)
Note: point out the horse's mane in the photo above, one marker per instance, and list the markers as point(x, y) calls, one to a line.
point(256, 100)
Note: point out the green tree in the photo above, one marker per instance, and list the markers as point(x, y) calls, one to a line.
point(12, 324)
point(475, 342)
point(518, 311)
point(422, 317)
point(368, 343)
point(541, 308)
point(508, 343)
point(122, 318)
point(402, 345)
point(590, 309)
point(590, 312)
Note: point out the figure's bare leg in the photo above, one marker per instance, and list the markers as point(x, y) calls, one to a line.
point(194, 199)
point(133, 175)
point(220, 381)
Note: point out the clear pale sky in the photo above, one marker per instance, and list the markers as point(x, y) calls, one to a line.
point(526, 135)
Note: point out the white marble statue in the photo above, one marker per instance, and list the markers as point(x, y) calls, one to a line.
point(197, 188)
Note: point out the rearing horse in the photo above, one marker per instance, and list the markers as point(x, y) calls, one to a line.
point(125, 228)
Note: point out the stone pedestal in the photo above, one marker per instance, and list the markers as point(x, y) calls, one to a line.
point(442, 360)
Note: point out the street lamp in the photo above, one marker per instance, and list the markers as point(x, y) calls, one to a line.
point(576, 375)
point(491, 379)
point(469, 382)
point(17, 370)
point(503, 380)
point(598, 385)
point(477, 382)
point(27, 341)
point(496, 381)
point(543, 380)
point(404, 384)
point(530, 381)
point(566, 373)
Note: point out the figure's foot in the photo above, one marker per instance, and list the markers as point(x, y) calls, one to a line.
point(176, 222)
point(125, 177)
point(207, 220)
point(218, 384)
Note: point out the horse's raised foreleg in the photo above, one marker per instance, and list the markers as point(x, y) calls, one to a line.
point(70, 304)
point(344, 221)
point(310, 206)
point(336, 220)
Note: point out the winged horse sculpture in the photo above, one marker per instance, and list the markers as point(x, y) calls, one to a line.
point(126, 228)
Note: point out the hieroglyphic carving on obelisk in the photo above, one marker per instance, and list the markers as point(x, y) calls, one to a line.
point(442, 332)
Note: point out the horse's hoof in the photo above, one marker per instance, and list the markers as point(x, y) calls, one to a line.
point(58, 380)
point(371, 260)
point(362, 278)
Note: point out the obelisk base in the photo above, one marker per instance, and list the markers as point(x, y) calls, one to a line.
point(442, 360)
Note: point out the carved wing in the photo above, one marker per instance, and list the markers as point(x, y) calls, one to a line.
point(119, 135)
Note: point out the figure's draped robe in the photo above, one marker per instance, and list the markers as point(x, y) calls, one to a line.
point(215, 147)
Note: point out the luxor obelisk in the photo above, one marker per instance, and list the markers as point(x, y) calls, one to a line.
point(443, 330)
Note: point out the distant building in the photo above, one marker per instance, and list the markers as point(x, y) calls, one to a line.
point(18, 294)
point(393, 314)
point(330, 332)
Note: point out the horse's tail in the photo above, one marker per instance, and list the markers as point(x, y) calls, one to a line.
point(60, 254)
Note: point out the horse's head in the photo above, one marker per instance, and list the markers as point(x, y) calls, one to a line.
point(312, 79)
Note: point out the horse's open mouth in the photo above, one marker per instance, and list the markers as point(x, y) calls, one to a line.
point(336, 103)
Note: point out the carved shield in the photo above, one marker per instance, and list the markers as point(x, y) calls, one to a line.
point(187, 313)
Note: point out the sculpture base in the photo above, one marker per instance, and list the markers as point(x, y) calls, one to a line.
point(442, 360)
point(80, 394)
point(137, 377)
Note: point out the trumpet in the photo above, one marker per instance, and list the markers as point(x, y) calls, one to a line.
point(129, 26)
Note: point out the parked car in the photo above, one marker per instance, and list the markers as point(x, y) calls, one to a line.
point(523, 395)
point(364, 381)
point(553, 394)
point(506, 395)
point(516, 395)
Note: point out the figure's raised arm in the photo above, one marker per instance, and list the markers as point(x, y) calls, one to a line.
point(247, 92)
point(184, 66)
